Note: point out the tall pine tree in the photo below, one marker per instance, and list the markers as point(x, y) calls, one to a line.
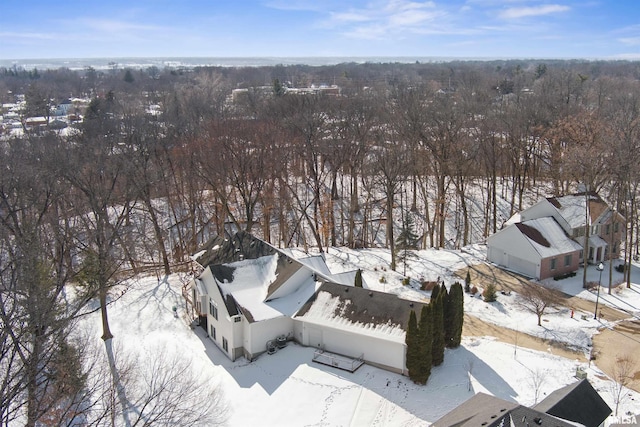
point(435, 291)
point(425, 329)
point(438, 330)
point(412, 340)
point(456, 304)
point(446, 315)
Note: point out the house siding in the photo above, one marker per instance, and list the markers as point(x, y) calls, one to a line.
point(560, 268)
point(256, 335)
point(376, 351)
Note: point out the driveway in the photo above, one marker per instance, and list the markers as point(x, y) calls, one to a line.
point(609, 345)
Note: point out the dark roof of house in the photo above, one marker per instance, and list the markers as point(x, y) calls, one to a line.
point(483, 410)
point(533, 234)
point(578, 402)
point(367, 306)
point(480, 410)
point(242, 245)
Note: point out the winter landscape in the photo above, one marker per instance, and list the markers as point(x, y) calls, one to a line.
point(287, 388)
point(200, 201)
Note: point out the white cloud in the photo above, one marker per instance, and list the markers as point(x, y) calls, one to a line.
point(524, 12)
point(379, 19)
point(630, 41)
point(115, 26)
point(29, 36)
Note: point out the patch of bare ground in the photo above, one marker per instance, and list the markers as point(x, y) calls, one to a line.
point(608, 346)
point(474, 327)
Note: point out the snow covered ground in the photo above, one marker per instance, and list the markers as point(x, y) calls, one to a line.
point(288, 389)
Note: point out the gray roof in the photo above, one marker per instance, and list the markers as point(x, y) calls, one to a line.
point(578, 402)
point(483, 410)
point(242, 245)
point(367, 306)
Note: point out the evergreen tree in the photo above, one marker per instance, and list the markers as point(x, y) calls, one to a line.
point(447, 315)
point(437, 350)
point(467, 282)
point(434, 292)
point(489, 293)
point(406, 241)
point(358, 280)
point(412, 341)
point(425, 329)
point(456, 304)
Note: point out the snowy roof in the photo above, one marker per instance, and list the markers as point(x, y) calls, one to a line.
point(249, 284)
point(317, 263)
point(547, 237)
point(360, 310)
point(572, 207)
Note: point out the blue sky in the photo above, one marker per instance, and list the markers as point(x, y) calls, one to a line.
point(301, 28)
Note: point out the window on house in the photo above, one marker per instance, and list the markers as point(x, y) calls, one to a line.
point(225, 344)
point(213, 333)
point(237, 319)
point(607, 229)
point(581, 253)
point(553, 263)
point(213, 310)
point(615, 227)
point(567, 260)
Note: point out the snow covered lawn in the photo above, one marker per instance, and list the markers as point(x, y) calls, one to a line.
point(287, 388)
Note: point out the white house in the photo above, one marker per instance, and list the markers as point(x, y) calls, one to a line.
point(249, 295)
point(548, 239)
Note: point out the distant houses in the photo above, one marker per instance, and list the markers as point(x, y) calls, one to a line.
point(549, 239)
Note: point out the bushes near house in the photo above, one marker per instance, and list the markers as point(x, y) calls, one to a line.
point(490, 294)
point(467, 282)
point(564, 276)
point(474, 290)
point(406, 281)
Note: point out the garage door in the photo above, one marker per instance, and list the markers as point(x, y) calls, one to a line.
point(523, 266)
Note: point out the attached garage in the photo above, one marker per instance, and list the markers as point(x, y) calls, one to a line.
point(358, 323)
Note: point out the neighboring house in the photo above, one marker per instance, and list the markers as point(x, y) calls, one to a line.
point(247, 294)
point(577, 404)
point(548, 239)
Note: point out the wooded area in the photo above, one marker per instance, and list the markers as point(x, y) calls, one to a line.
point(164, 159)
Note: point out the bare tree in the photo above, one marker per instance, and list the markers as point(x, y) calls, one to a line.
point(161, 390)
point(622, 376)
point(537, 379)
point(537, 299)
